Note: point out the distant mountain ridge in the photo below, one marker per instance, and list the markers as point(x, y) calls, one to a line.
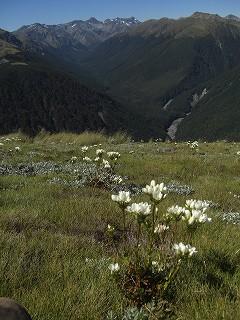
point(88, 33)
point(67, 44)
point(232, 17)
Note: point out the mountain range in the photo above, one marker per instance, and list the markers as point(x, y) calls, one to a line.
point(168, 78)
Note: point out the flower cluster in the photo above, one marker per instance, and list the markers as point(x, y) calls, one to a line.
point(110, 228)
point(84, 149)
point(113, 155)
point(141, 210)
point(157, 192)
point(12, 139)
point(100, 152)
point(114, 267)
point(122, 198)
point(192, 213)
point(73, 159)
point(197, 204)
point(150, 252)
point(99, 160)
point(106, 164)
point(193, 145)
point(87, 159)
point(160, 228)
point(175, 212)
point(184, 250)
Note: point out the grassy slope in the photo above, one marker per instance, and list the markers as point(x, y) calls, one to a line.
point(218, 115)
point(47, 230)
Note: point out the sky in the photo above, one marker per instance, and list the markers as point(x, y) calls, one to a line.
point(15, 13)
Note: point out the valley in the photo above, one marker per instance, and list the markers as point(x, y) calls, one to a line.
point(155, 71)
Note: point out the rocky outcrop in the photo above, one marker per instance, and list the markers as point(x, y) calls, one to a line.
point(11, 310)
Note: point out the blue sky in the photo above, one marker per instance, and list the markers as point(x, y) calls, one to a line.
point(15, 13)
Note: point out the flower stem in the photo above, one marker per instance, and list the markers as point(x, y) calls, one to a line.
point(124, 223)
point(138, 239)
point(153, 219)
point(151, 240)
point(171, 276)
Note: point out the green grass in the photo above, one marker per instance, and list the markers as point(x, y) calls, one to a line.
point(47, 231)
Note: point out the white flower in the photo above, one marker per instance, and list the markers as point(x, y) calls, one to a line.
point(84, 149)
point(99, 152)
point(87, 159)
point(156, 191)
point(161, 228)
point(158, 195)
point(238, 153)
point(113, 155)
point(73, 159)
point(117, 179)
point(110, 228)
point(114, 267)
point(197, 204)
point(142, 208)
point(156, 266)
point(192, 251)
point(193, 212)
point(196, 216)
point(181, 249)
point(106, 164)
point(194, 145)
point(122, 198)
point(176, 211)
point(17, 148)
point(1, 144)
point(96, 159)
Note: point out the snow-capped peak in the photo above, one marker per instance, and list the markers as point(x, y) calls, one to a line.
point(125, 21)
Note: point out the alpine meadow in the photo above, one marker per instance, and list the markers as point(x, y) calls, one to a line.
point(119, 160)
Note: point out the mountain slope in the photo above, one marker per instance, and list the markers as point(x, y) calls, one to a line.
point(10, 47)
point(217, 115)
point(157, 67)
point(34, 96)
point(67, 44)
point(71, 41)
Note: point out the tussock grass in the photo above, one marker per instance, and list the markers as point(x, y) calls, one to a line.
point(47, 231)
point(86, 138)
